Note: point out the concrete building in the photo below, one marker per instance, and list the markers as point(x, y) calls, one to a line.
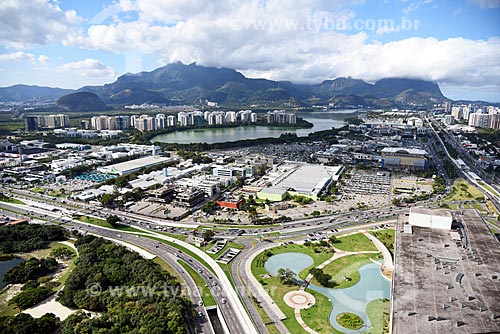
point(479, 120)
point(145, 123)
point(495, 122)
point(31, 123)
point(430, 218)
point(399, 157)
point(52, 121)
point(446, 281)
point(132, 166)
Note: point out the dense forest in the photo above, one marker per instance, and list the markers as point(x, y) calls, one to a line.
point(135, 295)
point(26, 238)
point(153, 310)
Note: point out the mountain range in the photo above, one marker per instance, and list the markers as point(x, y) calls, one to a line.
point(177, 83)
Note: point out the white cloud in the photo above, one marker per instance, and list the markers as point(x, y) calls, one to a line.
point(17, 57)
point(297, 41)
point(89, 68)
point(43, 59)
point(34, 22)
point(487, 4)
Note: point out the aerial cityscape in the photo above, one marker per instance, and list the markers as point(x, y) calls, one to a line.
point(252, 167)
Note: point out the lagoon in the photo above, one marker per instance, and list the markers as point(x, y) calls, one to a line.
point(321, 120)
point(371, 286)
point(5, 266)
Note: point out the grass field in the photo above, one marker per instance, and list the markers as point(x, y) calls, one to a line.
point(378, 311)
point(206, 296)
point(463, 191)
point(386, 237)
point(318, 258)
point(347, 266)
point(11, 200)
point(490, 189)
point(317, 317)
point(355, 243)
point(182, 249)
point(166, 267)
point(104, 223)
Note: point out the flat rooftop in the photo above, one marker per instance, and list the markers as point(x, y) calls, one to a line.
point(431, 212)
point(137, 163)
point(440, 286)
point(307, 178)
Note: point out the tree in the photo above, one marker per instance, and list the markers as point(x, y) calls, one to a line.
point(322, 278)
point(333, 239)
point(286, 276)
point(207, 234)
point(107, 200)
point(62, 253)
point(209, 207)
point(113, 220)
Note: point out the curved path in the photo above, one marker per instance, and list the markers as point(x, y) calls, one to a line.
point(388, 266)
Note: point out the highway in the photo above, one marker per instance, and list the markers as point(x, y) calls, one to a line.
point(166, 253)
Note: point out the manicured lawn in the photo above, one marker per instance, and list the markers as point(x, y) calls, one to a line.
point(386, 236)
point(378, 311)
point(277, 291)
point(37, 190)
point(182, 249)
point(490, 189)
point(11, 200)
point(355, 243)
point(318, 258)
point(104, 223)
point(491, 207)
point(462, 191)
point(206, 296)
point(95, 221)
point(173, 235)
point(346, 266)
point(318, 316)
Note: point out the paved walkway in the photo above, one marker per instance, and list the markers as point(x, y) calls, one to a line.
point(388, 266)
point(70, 245)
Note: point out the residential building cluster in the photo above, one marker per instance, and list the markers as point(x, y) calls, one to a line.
point(485, 117)
point(34, 123)
point(280, 117)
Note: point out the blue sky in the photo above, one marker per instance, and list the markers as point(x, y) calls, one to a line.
point(76, 43)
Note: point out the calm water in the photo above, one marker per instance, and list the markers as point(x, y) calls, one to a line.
point(5, 266)
point(296, 262)
point(372, 285)
point(322, 120)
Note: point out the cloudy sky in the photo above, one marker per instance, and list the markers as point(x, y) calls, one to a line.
point(72, 43)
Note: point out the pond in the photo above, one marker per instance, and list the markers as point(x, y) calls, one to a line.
point(371, 286)
point(5, 265)
point(296, 262)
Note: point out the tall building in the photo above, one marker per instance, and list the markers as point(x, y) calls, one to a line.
point(99, 122)
point(161, 121)
point(31, 123)
point(479, 120)
point(53, 121)
point(495, 122)
point(171, 121)
point(447, 107)
point(145, 123)
point(456, 112)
